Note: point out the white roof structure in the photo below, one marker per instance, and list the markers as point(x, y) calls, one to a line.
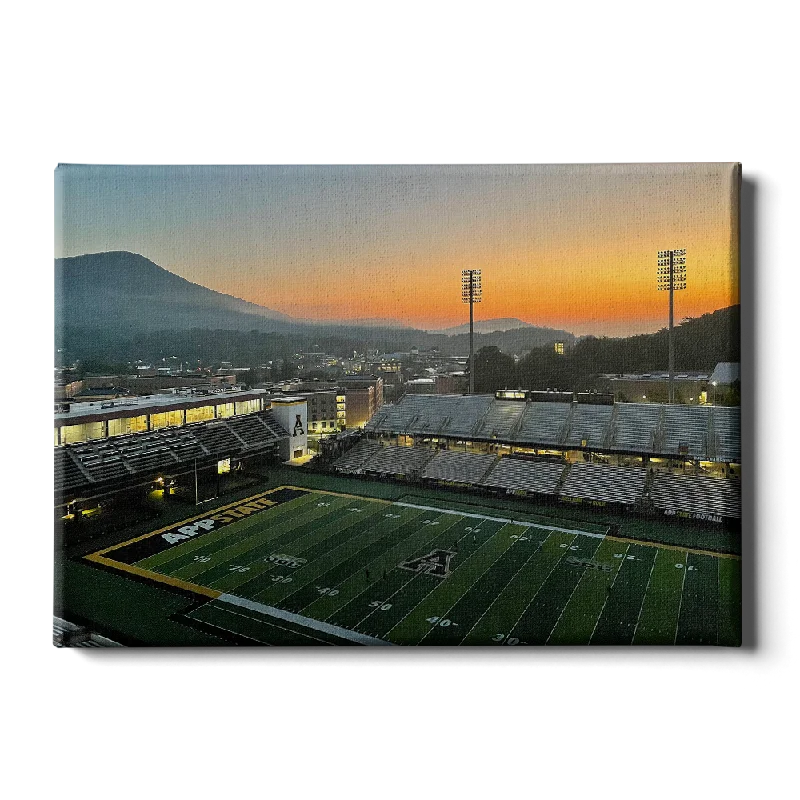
point(725, 373)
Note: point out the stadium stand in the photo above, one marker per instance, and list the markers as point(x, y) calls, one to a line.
point(636, 426)
point(255, 430)
point(590, 424)
point(500, 419)
point(454, 467)
point(605, 483)
point(67, 634)
point(118, 457)
point(544, 423)
point(697, 495)
point(68, 474)
point(357, 456)
point(727, 433)
point(217, 437)
point(686, 427)
point(518, 475)
point(396, 460)
point(465, 414)
point(700, 432)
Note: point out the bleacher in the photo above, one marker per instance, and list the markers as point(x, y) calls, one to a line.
point(686, 426)
point(542, 423)
point(217, 438)
point(727, 433)
point(464, 414)
point(254, 429)
point(605, 483)
point(500, 419)
point(697, 494)
point(589, 424)
point(117, 457)
point(399, 417)
point(355, 458)
point(636, 427)
point(396, 460)
point(68, 634)
point(518, 475)
point(68, 474)
point(454, 467)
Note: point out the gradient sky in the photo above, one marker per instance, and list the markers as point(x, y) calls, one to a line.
point(572, 247)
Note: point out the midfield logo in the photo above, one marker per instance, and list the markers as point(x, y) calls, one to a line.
point(436, 563)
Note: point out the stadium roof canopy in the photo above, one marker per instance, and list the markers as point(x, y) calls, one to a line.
point(725, 373)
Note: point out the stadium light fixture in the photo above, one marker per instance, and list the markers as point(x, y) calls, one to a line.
point(471, 292)
point(671, 276)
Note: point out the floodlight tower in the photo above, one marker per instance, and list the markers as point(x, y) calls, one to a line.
point(471, 293)
point(671, 278)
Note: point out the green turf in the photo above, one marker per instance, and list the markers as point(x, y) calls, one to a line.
point(496, 624)
point(580, 615)
point(512, 579)
point(729, 619)
point(658, 620)
point(126, 610)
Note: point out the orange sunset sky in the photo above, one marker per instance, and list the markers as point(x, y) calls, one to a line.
point(570, 247)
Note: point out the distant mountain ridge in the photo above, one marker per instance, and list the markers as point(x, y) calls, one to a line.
point(486, 326)
point(130, 292)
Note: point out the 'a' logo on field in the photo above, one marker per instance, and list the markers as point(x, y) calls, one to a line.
point(436, 563)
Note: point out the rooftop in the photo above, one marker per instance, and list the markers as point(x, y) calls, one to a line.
point(131, 405)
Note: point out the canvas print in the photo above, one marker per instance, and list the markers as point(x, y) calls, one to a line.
point(487, 405)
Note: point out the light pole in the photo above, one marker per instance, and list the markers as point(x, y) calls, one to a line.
point(671, 278)
point(471, 293)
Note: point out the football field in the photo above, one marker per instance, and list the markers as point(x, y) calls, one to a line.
point(302, 566)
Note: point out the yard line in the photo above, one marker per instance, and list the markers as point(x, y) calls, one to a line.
point(504, 520)
point(680, 602)
point(469, 588)
point(489, 607)
point(513, 627)
point(415, 576)
point(608, 594)
point(644, 597)
point(564, 607)
point(306, 622)
point(227, 630)
point(411, 610)
point(273, 625)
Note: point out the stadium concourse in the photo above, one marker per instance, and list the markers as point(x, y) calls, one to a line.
point(629, 454)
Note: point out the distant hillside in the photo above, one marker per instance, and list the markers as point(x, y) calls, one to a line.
point(487, 326)
point(130, 293)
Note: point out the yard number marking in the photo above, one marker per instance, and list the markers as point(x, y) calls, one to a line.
point(441, 623)
point(503, 638)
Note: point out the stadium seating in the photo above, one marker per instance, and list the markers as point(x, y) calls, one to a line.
point(697, 494)
point(465, 413)
point(686, 426)
point(519, 475)
point(118, 457)
point(605, 483)
point(636, 427)
point(252, 429)
point(217, 438)
point(543, 423)
point(454, 467)
point(727, 433)
point(68, 474)
point(589, 423)
point(500, 419)
point(392, 460)
point(357, 456)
